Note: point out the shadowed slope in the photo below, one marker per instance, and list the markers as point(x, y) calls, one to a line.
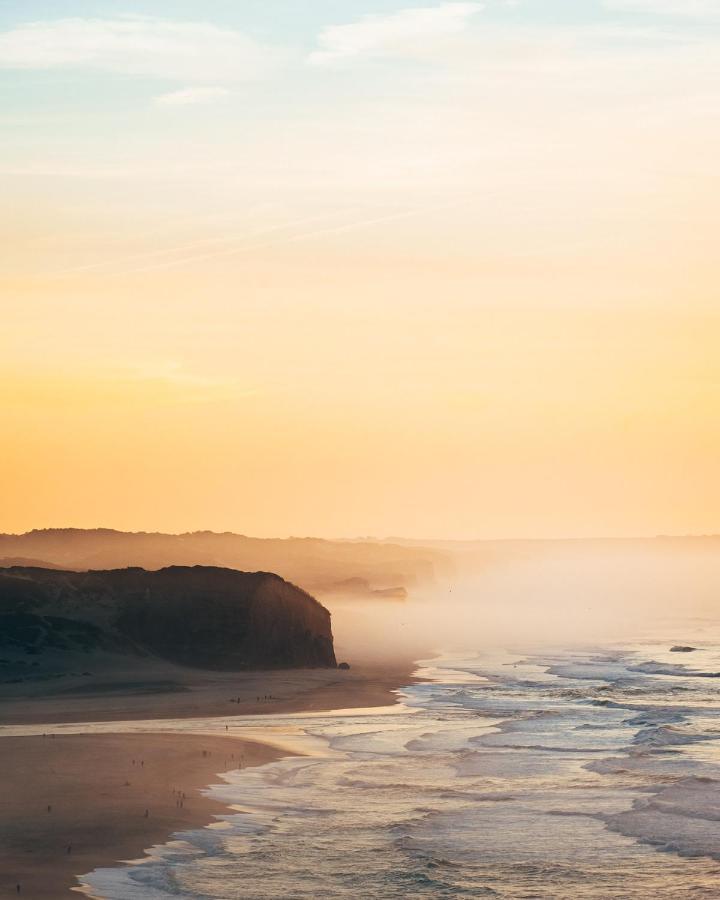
point(203, 617)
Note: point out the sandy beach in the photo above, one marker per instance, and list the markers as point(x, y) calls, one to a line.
point(171, 692)
point(99, 786)
point(73, 802)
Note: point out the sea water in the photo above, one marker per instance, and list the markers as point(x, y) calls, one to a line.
point(590, 773)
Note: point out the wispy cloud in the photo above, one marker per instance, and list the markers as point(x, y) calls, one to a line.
point(406, 32)
point(303, 236)
point(192, 96)
point(187, 51)
point(243, 245)
point(203, 242)
point(688, 8)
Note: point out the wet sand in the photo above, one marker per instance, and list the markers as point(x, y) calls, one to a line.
point(98, 796)
point(97, 789)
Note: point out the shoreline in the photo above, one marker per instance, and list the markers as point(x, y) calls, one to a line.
point(77, 802)
point(99, 785)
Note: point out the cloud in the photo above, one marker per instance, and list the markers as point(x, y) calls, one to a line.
point(187, 51)
point(687, 8)
point(402, 33)
point(192, 96)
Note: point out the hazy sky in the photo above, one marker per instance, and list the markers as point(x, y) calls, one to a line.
point(347, 267)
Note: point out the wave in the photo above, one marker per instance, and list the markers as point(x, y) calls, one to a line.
point(497, 781)
point(681, 818)
point(676, 670)
point(670, 735)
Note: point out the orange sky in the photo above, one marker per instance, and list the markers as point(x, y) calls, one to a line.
point(474, 298)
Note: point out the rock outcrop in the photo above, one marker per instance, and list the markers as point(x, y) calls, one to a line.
point(203, 617)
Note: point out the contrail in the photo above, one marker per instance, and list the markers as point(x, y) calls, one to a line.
point(191, 246)
point(336, 229)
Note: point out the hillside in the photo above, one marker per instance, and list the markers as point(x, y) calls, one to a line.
point(209, 618)
point(312, 563)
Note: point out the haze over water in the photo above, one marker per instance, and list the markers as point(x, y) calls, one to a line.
point(584, 764)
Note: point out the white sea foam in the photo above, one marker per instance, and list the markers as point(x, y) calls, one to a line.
point(513, 775)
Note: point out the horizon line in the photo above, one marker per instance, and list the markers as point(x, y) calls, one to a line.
point(366, 538)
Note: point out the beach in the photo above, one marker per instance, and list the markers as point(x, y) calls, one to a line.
point(99, 786)
point(73, 802)
point(162, 691)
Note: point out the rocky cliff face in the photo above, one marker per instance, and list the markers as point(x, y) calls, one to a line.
point(202, 617)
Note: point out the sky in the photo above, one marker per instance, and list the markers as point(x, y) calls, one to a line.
point(360, 268)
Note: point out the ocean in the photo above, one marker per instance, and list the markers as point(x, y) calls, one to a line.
point(590, 773)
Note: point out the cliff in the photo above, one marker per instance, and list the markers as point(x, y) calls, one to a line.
point(203, 617)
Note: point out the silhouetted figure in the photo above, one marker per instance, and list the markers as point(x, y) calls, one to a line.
point(49, 808)
point(69, 849)
point(147, 813)
point(17, 888)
